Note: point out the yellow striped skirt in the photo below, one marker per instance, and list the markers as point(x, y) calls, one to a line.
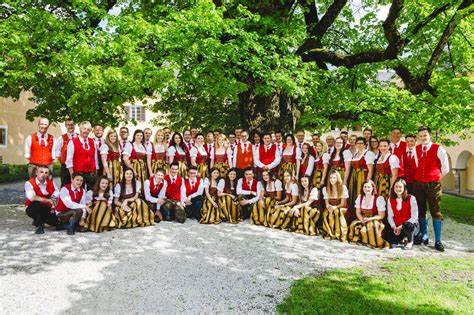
point(139, 215)
point(306, 222)
point(101, 218)
point(286, 166)
point(223, 167)
point(335, 225)
point(209, 213)
point(156, 164)
point(182, 168)
point(382, 185)
point(369, 234)
point(202, 170)
point(280, 218)
point(357, 177)
point(317, 175)
point(115, 167)
point(231, 210)
point(141, 169)
point(259, 212)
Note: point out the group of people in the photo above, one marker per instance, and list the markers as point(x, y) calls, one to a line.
point(358, 189)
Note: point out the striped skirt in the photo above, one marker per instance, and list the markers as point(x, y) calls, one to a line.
point(209, 213)
point(156, 164)
point(101, 218)
point(306, 222)
point(259, 212)
point(382, 185)
point(231, 210)
point(202, 170)
point(280, 218)
point(369, 234)
point(182, 169)
point(335, 225)
point(141, 169)
point(115, 167)
point(357, 177)
point(286, 166)
point(139, 216)
point(317, 175)
point(223, 167)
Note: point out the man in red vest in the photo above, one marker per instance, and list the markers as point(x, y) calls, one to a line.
point(81, 155)
point(155, 193)
point(432, 165)
point(40, 148)
point(248, 191)
point(173, 206)
point(398, 148)
point(194, 190)
point(61, 150)
point(39, 204)
point(72, 204)
point(243, 154)
point(267, 157)
point(409, 162)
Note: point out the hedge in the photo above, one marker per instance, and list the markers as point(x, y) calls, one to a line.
point(14, 173)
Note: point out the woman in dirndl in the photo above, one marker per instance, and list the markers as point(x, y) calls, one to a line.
point(290, 158)
point(157, 159)
point(110, 155)
point(279, 216)
point(130, 210)
point(307, 161)
point(370, 211)
point(335, 195)
point(306, 213)
point(200, 156)
point(336, 161)
point(177, 153)
point(271, 193)
point(231, 210)
point(318, 170)
point(135, 156)
point(386, 169)
point(100, 216)
point(221, 156)
point(210, 212)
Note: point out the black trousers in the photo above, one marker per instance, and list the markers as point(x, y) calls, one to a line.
point(194, 209)
point(65, 176)
point(246, 209)
point(408, 230)
point(41, 214)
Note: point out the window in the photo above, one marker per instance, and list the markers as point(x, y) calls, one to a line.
point(136, 112)
point(3, 136)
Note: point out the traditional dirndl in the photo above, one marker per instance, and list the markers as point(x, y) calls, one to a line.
point(139, 165)
point(159, 161)
point(357, 177)
point(336, 166)
point(203, 169)
point(318, 172)
point(259, 213)
point(231, 210)
point(115, 168)
point(369, 234)
point(279, 218)
point(334, 224)
point(101, 218)
point(182, 167)
point(382, 184)
point(306, 222)
point(209, 213)
point(286, 166)
point(139, 216)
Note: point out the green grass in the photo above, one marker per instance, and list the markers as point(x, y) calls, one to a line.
point(408, 286)
point(12, 172)
point(458, 208)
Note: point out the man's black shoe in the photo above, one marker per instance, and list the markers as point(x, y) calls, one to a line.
point(439, 246)
point(70, 232)
point(417, 240)
point(426, 242)
point(39, 230)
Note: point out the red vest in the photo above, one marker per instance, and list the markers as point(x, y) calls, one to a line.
point(403, 215)
point(399, 152)
point(173, 191)
point(77, 198)
point(49, 188)
point(409, 164)
point(304, 166)
point(244, 159)
point(155, 189)
point(245, 186)
point(429, 166)
point(268, 156)
point(40, 154)
point(64, 147)
point(187, 184)
point(83, 160)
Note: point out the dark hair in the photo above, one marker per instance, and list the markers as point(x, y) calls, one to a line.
point(186, 130)
point(315, 134)
point(396, 128)
point(301, 189)
point(252, 136)
point(423, 128)
point(278, 131)
point(266, 134)
point(231, 134)
point(192, 167)
point(122, 128)
point(361, 139)
point(227, 179)
point(384, 140)
point(181, 143)
point(199, 134)
point(161, 170)
point(96, 189)
point(137, 132)
point(393, 194)
point(289, 135)
point(341, 155)
point(264, 183)
point(41, 166)
point(123, 183)
point(344, 132)
point(367, 129)
point(248, 168)
point(74, 175)
point(174, 164)
point(309, 149)
point(410, 136)
point(212, 169)
point(368, 181)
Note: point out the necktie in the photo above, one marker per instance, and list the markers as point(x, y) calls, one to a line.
point(100, 143)
point(245, 147)
point(172, 181)
point(409, 155)
point(74, 191)
point(248, 183)
point(85, 145)
point(43, 141)
point(424, 151)
point(192, 185)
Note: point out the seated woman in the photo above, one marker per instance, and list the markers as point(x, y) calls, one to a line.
point(306, 213)
point(100, 216)
point(269, 195)
point(130, 210)
point(335, 195)
point(370, 211)
point(402, 216)
point(279, 215)
point(210, 213)
point(231, 211)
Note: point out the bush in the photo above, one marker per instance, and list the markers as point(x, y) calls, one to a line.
point(12, 173)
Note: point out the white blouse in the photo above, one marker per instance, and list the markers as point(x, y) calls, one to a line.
point(345, 192)
point(381, 204)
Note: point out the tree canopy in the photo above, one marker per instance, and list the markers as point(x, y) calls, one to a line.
point(268, 64)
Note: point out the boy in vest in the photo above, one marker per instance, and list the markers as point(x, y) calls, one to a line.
point(81, 155)
point(173, 206)
point(72, 206)
point(155, 193)
point(267, 157)
point(248, 191)
point(194, 189)
point(243, 154)
point(409, 162)
point(432, 165)
point(39, 204)
point(61, 150)
point(398, 148)
point(40, 148)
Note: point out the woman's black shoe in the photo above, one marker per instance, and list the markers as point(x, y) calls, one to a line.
point(70, 232)
point(39, 230)
point(439, 246)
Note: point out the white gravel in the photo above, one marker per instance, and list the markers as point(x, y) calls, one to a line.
point(172, 268)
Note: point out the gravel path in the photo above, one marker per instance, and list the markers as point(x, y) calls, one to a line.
point(171, 268)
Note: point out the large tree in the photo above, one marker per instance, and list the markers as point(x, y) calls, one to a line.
point(267, 64)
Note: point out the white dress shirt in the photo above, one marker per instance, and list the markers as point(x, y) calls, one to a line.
point(30, 191)
point(275, 161)
point(59, 143)
point(241, 191)
point(43, 141)
point(149, 197)
point(70, 153)
point(442, 156)
point(66, 198)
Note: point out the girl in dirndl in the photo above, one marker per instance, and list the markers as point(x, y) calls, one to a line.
point(157, 159)
point(370, 211)
point(231, 211)
point(177, 153)
point(200, 156)
point(336, 161)
point(307, 161)
point(135, 157)
point(110, 155)
point(210, 212)
point(386, 169)
point(221, 156)
point(318, 180)
point(280, 216)
point(335, 195)
point(306, 213)
point(290, 158)
point(130, 210)
point(269, 195)
point(100, 216)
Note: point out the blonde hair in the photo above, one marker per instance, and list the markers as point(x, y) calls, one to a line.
point(223, 138)
point(339, 184)
point(112, 146)
point(158, 133)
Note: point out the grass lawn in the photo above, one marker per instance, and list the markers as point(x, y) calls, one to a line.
point(408, 286)
point(457, 208)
